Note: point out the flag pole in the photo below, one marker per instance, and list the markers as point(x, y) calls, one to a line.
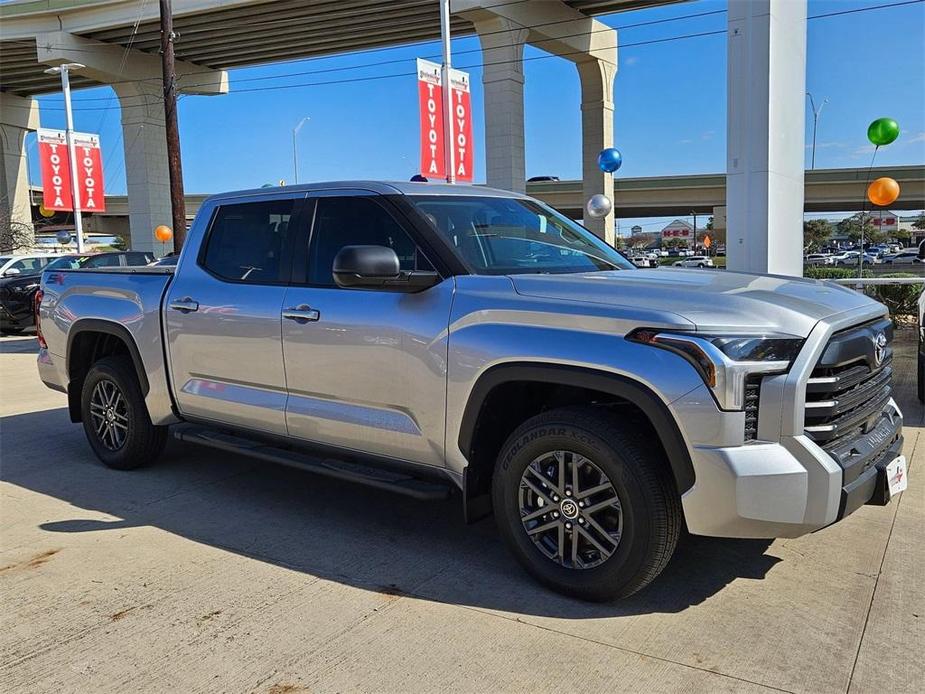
point(448, 140)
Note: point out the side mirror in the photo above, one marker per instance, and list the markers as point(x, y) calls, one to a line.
point(377, 267)
point(12, 272)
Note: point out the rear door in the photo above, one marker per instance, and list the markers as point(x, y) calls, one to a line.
point(367, 372)
point(222, 314)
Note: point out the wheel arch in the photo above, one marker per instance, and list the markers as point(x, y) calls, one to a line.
point(615, 387)
point(89, 340)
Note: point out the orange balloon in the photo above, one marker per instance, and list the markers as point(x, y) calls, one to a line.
point(163, 233)
point(883, 191)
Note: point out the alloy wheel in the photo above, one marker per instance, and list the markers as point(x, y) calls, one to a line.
point(570, 509)
point(109, 412)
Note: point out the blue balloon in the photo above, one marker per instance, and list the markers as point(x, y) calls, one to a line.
point(610, 159)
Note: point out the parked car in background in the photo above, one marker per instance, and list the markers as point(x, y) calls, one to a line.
point(695, 261)
point(851, 258)
point(12, 265)
point(906, 256)
point(17, 292)
point(818, 259)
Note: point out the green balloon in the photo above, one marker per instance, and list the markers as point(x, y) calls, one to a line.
point(883, 131)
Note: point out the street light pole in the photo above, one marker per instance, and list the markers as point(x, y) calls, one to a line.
point(448, 139)
point(295, 147)
point(816, 112)
point(71, 150)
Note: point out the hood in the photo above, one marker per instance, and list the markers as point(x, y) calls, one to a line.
point(712, 300)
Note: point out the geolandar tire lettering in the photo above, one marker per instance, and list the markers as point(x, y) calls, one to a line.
point(585, 505)
point(115, 418)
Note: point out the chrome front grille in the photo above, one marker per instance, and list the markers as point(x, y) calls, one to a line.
point(847, 394)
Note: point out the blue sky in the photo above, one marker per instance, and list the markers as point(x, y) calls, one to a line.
point(670, 104)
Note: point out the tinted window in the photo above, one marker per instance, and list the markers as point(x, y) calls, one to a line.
point(359, 221)
point(65, 263)
point(247, 242)
point(105, 260)
point(138, 258)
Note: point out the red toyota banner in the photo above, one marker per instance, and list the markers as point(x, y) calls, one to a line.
point(56, 174)
point(89, 172)
point(430, 101)
point(56, 171)
point(462, 124)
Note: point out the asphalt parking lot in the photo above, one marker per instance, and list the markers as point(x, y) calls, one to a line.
point(210, 572)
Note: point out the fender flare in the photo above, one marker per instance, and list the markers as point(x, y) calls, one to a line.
point(96, 325)
point(620, 386)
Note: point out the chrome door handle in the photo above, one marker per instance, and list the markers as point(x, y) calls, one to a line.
point(185, 305)
point(302, 313)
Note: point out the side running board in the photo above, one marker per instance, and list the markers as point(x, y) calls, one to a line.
point(389, 480)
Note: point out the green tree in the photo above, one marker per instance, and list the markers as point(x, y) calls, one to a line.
point(815, 233)
point(852, 228)
point(919, 222)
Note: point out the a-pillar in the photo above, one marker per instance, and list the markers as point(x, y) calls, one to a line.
point(18, 115)
point(596, 134)
point(146, 179)
point(502, 44)
point(765, 136)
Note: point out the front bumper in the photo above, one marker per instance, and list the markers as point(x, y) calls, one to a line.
point(785, 489)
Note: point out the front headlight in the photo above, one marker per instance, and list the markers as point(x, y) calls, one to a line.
point(726, 362)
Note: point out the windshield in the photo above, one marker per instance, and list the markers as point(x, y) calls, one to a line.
point(506, 236)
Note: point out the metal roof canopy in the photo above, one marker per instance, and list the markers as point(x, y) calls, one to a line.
point(237, 33)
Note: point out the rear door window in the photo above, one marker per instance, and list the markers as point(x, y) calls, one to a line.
point(248, 242)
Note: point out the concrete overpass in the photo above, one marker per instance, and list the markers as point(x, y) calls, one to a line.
point(117, 41)
point(826, 190)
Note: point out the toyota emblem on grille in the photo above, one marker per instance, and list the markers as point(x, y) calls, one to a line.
point(879, 348)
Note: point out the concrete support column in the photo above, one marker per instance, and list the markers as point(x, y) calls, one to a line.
point(503, 78)
point(596, 133)
point(146, 174)
point(18, 115)
point(765, 136)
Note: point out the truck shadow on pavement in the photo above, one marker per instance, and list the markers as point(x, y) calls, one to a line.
point(328, 529)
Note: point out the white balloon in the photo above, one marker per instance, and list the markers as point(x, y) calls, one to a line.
point(599, 205)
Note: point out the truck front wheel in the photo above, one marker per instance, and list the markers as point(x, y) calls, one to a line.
point(115, 418)
point(587, 507)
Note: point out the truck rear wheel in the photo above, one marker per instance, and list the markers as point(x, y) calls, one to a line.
point(586, 506)
point(115, 418)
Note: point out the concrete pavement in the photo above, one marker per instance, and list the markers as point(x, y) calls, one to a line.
point(210, 572)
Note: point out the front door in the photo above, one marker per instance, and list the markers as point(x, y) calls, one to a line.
point(366, 369)
point(222, 315)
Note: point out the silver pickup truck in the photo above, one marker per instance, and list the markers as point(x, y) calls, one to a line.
point(434, 340)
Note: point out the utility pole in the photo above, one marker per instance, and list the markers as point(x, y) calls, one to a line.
point(71, 150)
point(816, 112)
point(448, 139)
point(174, 167)
point(694, 215)
point(295, 147)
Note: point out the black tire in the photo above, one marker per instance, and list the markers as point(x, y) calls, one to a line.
point(650, 507)
point(127, 421)
point(700, 265)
